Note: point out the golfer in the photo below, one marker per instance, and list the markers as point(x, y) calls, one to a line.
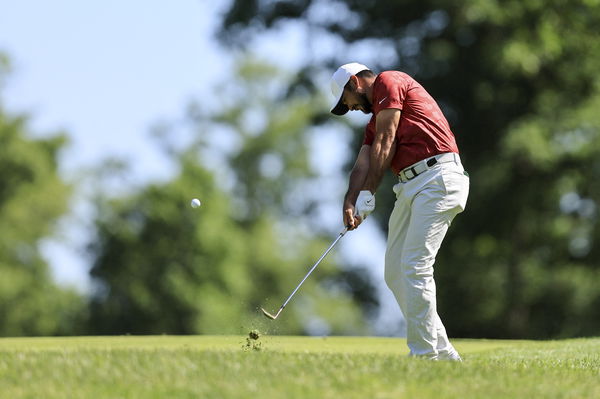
point(408, 134)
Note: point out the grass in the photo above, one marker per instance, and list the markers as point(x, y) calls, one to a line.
point(292, 367)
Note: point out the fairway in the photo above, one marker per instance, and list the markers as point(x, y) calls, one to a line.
point(292, 367)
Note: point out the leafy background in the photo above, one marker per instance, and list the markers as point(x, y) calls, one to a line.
point(518, 82)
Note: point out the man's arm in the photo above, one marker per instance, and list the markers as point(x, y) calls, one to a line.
point(357, 180)
point(383, 147)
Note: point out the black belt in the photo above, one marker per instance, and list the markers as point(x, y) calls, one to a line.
point(417, 168)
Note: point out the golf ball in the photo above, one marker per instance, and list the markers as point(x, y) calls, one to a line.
point(196, 203)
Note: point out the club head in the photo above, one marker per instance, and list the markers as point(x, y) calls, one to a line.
point(269, 315)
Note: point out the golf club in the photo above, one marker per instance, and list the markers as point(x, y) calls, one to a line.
point(273, 317)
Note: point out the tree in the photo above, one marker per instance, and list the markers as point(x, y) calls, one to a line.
point(32, 198)
point(518, 81)
point(163, 267)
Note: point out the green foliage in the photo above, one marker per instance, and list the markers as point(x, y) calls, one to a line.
point(518, 81)
point(32, 198)
point(163, 267)
point(270, 130)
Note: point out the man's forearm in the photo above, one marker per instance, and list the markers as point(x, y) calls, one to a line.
point(358, 175)
point(356, 183)
point(383, 148)
point(380, 160)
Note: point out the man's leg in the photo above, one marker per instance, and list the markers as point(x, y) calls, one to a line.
point(445, 349)
point(397, 227)
point(394, 276)
point(431, 215)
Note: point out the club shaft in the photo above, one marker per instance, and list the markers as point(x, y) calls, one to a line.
point(313, 268)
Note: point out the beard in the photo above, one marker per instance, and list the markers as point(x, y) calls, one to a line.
point(364, 104)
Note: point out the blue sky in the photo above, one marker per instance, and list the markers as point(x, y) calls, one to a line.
point(105, 72)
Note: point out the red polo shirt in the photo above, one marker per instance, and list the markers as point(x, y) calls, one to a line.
point(423, 130)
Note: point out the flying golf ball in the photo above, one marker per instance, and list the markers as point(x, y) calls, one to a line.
point(196, 203)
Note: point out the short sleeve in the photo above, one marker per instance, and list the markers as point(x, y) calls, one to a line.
point(389, 91)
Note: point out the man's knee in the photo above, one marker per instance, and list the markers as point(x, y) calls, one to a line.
point(393, 276)
point(417, 270)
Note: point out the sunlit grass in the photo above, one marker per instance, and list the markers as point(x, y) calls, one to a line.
point(292, 367)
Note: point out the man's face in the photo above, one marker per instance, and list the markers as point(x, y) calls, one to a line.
point(356, 99)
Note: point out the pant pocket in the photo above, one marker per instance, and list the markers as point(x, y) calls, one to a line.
point(457, 190)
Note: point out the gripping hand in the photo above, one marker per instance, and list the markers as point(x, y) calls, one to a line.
point(365, 204)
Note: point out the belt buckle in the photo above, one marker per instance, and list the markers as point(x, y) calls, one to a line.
point(412, 170)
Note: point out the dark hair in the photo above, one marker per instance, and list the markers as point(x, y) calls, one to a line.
point(365, 73)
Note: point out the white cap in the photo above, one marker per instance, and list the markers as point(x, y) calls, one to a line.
point(339, 80)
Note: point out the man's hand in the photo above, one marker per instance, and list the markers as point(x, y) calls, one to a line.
point(351, 220)
point(365, 204)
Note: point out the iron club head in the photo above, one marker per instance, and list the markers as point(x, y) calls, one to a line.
point(269, 315)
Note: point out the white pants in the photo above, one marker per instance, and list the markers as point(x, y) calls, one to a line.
point(424, 209)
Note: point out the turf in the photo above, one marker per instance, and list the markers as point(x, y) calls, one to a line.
point(292, 367)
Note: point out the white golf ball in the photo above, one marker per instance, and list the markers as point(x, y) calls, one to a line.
point(196, 203)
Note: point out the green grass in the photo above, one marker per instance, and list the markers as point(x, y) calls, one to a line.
point(292, 367)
